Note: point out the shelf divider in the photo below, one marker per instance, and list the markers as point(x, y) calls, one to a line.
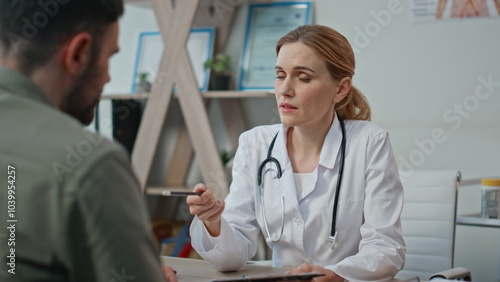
point(231, 94)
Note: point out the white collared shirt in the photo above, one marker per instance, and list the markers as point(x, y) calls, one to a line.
point(304, 181)
point(369, 244)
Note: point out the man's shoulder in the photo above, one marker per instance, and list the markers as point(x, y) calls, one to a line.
point(65, 134)
point(45, 136)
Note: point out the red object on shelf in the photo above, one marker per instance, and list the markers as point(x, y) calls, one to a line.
point(186, 250)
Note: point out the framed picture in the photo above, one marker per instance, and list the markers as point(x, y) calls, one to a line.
point(266, 24)
point(149, 53)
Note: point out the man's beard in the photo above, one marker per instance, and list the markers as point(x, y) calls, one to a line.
point(74, 103)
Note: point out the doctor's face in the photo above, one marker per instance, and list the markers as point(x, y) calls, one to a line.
point(305, 90)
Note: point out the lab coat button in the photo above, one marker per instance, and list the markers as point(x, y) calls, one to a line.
point(298, 220)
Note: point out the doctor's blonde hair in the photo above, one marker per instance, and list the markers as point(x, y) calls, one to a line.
point(339, 59)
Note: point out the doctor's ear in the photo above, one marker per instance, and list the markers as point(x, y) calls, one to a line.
point(343, 89)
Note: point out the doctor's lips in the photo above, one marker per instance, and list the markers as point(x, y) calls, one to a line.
point(286, 108)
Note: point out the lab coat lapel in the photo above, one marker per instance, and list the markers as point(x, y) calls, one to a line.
point(287, 183)
point(329, 154)
point(328, 158)
point(331, 147)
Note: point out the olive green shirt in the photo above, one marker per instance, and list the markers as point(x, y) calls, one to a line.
point(70, 206)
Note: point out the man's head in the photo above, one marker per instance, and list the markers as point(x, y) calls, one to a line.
point(74, 37)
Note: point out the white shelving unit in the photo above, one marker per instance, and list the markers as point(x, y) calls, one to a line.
point(175, 22)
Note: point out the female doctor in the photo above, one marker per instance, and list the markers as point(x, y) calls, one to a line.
point(323, 186)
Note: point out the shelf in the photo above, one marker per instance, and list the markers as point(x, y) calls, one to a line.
point(477, 220)
point(237, 94)
point(125, 96)
point(142, 2)
point(206, 95)
point(137, 2)
point(196, 138)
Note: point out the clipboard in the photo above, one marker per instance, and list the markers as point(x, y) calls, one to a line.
point(271, 277)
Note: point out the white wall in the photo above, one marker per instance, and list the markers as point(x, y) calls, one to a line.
point(415, 76)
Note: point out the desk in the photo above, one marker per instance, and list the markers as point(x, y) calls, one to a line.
point(196, 270)
point(477, 220)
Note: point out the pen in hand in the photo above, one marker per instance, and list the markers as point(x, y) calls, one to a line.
point(180, 193)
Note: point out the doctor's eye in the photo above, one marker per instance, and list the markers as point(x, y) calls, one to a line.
point(280, 75)
point(304, 78)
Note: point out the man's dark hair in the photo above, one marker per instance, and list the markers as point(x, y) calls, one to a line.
point(32, 30)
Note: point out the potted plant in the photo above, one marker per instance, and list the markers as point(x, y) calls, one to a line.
point(220, 77)
point(143, 86)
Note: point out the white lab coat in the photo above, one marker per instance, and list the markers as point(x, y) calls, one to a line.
point(369, 244)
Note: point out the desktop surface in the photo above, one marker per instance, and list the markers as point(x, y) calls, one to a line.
point(197, 270)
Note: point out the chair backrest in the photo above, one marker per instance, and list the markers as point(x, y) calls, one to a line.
point(428, 221)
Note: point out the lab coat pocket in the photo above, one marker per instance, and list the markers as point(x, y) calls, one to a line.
point(349, 218)
point(349, 213)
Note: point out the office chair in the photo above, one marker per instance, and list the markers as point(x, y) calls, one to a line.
point(428, 223)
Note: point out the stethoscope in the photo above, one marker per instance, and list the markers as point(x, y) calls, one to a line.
point(270, 159)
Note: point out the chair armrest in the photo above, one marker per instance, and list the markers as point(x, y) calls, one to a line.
point(459, 273)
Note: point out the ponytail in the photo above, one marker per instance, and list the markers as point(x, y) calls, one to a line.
point(354, 106)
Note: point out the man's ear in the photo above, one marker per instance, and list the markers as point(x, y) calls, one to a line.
point(344, 89)
point(76, 55)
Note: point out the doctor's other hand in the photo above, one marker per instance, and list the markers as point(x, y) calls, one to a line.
point(330, 276)
point(207, 208)
point(168, 273)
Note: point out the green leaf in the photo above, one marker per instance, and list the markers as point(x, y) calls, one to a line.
point(219, 63)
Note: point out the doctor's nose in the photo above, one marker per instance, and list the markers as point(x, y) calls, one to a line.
point(284, 88)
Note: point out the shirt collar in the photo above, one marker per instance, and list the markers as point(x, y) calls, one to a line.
point(280, 150)
point(18, 84)
point(329, 152)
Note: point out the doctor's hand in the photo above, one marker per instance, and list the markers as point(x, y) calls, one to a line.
point(207, 208)
point(330, 276)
